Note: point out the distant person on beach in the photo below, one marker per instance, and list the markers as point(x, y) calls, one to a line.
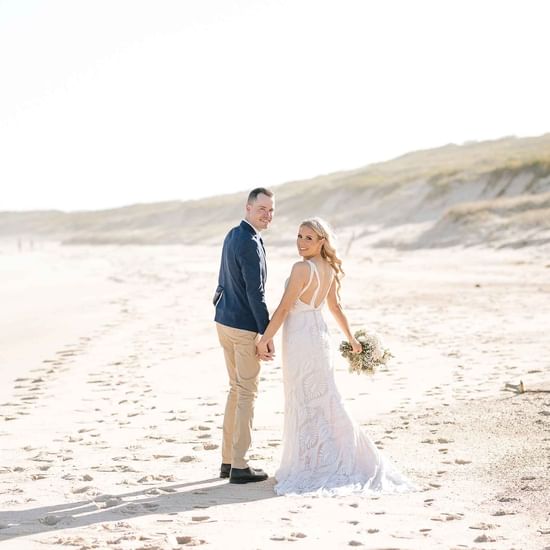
point(324, 450)
point(241, 318)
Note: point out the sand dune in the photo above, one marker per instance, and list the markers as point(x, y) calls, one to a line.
point(512, 222)
point(418, 192)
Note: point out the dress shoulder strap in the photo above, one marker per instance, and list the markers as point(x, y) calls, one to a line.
point(312, 270)
point(328, 290)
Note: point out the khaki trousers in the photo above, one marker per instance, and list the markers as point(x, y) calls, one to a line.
point(243, 368)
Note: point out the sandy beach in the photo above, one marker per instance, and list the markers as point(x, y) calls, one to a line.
point(113, 390)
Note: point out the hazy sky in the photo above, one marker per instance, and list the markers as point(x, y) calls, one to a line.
point(107, 103)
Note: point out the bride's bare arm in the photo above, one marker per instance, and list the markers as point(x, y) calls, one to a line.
point(298, 278)
point(338, 313)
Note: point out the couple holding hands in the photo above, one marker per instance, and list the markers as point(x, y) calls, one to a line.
point(324, 450)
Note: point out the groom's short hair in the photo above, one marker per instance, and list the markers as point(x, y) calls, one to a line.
point(253, 195)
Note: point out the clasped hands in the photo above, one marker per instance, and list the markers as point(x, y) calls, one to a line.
point(265, 350)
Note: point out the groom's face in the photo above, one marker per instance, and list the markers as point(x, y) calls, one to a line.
point(259, 213)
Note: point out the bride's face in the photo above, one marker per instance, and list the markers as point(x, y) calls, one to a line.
point(308, 242)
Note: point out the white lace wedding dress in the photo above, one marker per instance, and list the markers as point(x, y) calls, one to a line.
point(324, 450)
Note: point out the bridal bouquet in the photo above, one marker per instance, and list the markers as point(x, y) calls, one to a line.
point(372, 355)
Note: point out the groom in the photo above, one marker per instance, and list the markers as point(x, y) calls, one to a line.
point(241, 316)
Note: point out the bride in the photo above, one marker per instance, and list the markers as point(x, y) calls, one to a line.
point(324, 449)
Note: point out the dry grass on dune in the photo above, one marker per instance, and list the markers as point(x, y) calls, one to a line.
point(505, 222)
point(439, 186)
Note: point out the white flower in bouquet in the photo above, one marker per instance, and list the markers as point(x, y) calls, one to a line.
point(369, 358)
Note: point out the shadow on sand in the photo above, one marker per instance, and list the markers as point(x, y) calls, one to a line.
point(197, 496)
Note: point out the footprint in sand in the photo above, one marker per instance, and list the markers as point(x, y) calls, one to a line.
point(130, 509)
point(162, 477)
point(80, 490)
point(508, 499)
point(256, 456)
point(29, 398)
point(280, 538)
point(200, 519)
point(51, 519)
point(189, 458)
point(485, 538)
point(484, 526)
point(448, 517)
point(183, 541)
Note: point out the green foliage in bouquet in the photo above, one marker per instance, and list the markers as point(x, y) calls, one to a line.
point(370, 358)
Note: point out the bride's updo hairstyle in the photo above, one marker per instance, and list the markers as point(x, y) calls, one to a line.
point(328, 250)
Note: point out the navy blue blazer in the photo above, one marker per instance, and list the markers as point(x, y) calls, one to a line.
point(240, 296)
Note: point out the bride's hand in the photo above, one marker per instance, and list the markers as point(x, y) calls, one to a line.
point(356, 346)
point(263, 351)
point(271, 349)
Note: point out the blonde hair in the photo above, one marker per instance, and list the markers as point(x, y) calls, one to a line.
point(328, 250)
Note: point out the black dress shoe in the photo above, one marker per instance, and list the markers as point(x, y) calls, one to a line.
point(246, 475)
point(224, 470)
